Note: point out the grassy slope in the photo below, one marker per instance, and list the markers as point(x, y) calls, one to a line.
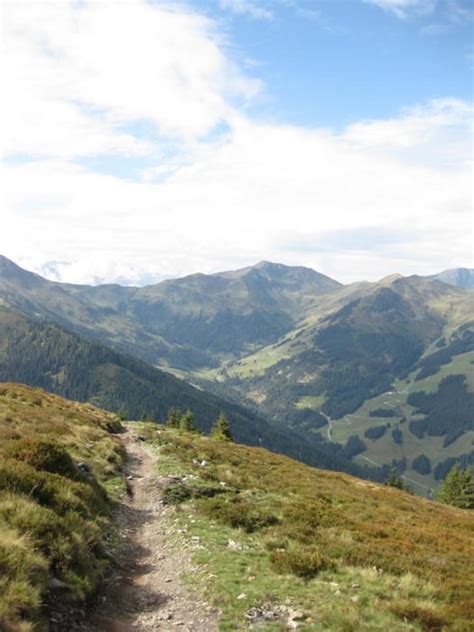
point(450, 304)
point(44, 355)
point(452, 308)
point(52, 524)
point(386, 560)
point(383, 450)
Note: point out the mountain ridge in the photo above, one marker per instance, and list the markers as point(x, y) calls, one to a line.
point(296, 351)
point(42, 354)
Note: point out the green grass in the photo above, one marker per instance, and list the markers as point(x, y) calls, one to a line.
point(257, 363)
point(383, 450)
point(348, 554)
point(53, 517)
point(311, 401)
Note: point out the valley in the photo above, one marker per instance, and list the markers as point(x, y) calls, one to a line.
point(280, 349)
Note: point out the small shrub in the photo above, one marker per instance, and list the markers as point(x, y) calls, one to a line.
point(113, 426)
point(427, 619)
point(238, 513)
point(44, 456)
point(306, 563)
point(302, 519)
point(176, 493)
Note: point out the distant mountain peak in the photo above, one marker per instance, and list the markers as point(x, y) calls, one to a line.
point(13, 272)
point(272, 265)
point(7, 264)
point(459, 277)
point(391, 278)
point(276, 272)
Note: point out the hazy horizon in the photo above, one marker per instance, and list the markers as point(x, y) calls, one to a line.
point(50, 275)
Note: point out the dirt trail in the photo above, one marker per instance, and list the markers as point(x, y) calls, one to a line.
point(147, 594)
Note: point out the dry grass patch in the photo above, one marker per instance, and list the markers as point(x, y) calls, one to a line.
point(53, 513)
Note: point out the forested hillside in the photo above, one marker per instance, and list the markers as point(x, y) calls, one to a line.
point(40, 353)
point(186, 323)
point(323, 368)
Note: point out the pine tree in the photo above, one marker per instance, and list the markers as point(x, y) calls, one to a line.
point(458, 488)
point(221, 429)
point(186, 421)
point(122, 413)
point(395, 480)
point(174, 415)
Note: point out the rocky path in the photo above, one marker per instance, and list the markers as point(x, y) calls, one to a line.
point(147, 593)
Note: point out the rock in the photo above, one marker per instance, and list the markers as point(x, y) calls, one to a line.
point(166, 615)
point(355, 598)
point(266, 612)
point(295, 615)
point(241, 596)
point(84, 469)
point(204, 463)
point(56, 584)
point(232, 545)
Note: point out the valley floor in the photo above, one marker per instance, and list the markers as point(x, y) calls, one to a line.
point(147, 594)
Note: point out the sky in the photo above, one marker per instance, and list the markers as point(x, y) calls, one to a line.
point(144, 140)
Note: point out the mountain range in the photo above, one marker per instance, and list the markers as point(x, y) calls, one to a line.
point(320, 370)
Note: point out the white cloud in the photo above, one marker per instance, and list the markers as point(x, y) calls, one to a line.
point(251, 196)
point(74, 74)
point(420, 132)
point(244, 7)
point(255, 190)
point(405, 8)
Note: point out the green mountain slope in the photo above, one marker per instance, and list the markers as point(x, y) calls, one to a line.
point(40, 353)
point(315, 358)
point(186, 323)
point(359, 344)
point(356, 343)
point(423, 425)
